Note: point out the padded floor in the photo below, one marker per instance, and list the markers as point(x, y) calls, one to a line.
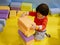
point(10, 34)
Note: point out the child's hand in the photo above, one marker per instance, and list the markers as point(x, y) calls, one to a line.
point(39, 28)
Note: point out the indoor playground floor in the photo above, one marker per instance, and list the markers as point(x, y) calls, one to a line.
point(10, 35)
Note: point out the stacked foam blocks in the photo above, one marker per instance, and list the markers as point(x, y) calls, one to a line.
point(4, 8)
point(25, 31)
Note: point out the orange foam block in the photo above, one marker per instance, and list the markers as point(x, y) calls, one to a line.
point(25, 24)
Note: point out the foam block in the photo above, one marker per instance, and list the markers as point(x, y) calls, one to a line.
point(12, 13)
point(26, 6)
point(4, 8)
point(3, 22)
point(26, 40)
point(15, 4)
point(3, 16)
point(25, 24)
point(4, 12)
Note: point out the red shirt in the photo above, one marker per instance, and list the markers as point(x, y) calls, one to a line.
point(38, 22)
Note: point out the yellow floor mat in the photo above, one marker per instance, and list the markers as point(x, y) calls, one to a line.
point(10, 34)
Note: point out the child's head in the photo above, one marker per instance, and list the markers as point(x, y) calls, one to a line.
point(42, 10)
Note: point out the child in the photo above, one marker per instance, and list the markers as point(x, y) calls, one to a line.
point(41, 20)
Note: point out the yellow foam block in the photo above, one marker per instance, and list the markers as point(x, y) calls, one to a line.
point(31, 42)
point(25, 24)
point(19, 13)
point(4, 8)
point(12, 13)
point(26, 6)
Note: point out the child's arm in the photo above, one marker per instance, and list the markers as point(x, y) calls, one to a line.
point(31, 13)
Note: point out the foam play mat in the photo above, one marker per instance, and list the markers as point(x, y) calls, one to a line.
point(10, 34)
point(15, 31)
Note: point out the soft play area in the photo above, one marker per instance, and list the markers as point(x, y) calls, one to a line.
point(11, 22)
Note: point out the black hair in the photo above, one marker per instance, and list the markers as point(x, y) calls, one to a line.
point(43, 9)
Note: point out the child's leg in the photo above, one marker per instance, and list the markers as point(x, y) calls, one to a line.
point(39, 35)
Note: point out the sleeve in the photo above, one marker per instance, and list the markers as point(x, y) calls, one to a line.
point(44, 23)
point(32, 13)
